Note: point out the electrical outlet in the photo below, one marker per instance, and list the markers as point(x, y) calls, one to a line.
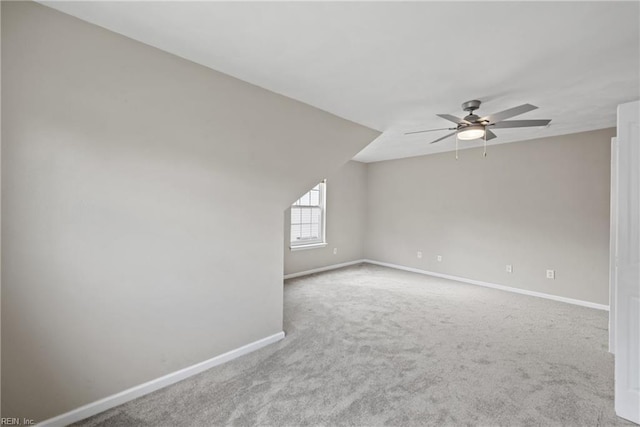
point(509, 268)
point(439, 258)
point(551, 274)
point(419, 254)
point(335, 251)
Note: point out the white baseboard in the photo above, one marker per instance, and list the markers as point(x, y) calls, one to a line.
point(327, 268)
point(153, 385)
point(493, 285)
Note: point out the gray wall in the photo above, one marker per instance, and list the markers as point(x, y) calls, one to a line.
point(142, 204)
point(539, 204)
point(346, 214)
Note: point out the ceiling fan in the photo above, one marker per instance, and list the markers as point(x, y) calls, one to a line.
point(474, 127)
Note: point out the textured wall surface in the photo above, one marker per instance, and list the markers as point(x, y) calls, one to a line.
point(537, 205)
point(142, 201)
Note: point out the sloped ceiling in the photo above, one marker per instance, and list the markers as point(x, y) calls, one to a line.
point(393, 65)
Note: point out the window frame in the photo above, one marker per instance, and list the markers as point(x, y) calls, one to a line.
point(321, 241)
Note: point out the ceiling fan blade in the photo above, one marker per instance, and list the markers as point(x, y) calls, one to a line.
point(520, 124)
point(444, 137)
point(429, 130)
point(511, 112)
point(454, 119)
point(490, 135)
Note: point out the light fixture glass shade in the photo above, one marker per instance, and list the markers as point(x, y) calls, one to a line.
point(471, 132)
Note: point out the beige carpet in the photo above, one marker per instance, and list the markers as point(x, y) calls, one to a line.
point(368, 345)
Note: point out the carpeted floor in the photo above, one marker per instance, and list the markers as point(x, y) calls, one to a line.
point(368, 345)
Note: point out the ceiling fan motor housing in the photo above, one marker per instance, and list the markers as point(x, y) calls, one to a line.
point(472, 118)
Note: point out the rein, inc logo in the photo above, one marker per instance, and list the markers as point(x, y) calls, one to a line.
point(8, 421)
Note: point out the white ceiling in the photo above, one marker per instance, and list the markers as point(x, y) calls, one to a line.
point(393, 65)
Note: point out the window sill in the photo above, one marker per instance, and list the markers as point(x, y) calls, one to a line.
point(305, 247)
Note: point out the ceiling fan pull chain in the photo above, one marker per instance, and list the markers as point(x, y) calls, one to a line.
point(485, 144)
point(456, 146)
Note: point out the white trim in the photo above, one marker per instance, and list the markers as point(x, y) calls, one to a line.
point(153, 385)
point(493, 285)
point(323, 209)
point(613, 233)
point(320, 269)
point(308, 246)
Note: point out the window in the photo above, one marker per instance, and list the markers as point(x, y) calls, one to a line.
point(308, 219)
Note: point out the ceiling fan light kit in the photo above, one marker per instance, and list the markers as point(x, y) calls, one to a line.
point(474, 127)
point(471, 132)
